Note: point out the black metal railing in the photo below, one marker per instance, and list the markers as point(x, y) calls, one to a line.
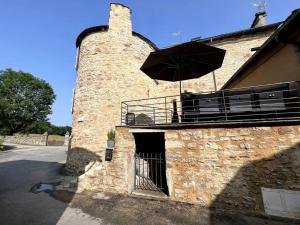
point(150, 172)
point(260, 103)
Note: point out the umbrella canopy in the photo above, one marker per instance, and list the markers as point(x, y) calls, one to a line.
point(182, 62)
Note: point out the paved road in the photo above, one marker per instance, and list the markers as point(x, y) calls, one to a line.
point(21, 168)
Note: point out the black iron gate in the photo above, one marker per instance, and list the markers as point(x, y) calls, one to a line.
point(150, 172)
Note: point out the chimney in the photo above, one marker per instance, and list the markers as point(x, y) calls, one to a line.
point(120, 19)
point(260, 20)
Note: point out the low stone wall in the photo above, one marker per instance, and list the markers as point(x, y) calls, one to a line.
point(116, 176)
point(214, 167)
point(30, 139)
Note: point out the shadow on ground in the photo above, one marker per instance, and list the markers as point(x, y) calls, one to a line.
point(9, 147)
point(17, 204)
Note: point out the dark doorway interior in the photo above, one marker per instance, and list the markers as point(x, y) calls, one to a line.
point(150, 162)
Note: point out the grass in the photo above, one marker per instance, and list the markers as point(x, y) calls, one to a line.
point(56, 140)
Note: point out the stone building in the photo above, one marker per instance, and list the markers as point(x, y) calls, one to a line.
point(108, 72)
point(212, 165)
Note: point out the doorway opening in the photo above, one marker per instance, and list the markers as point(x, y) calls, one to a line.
point(150, 163)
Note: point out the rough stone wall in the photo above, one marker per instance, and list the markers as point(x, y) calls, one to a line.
point(215, 167)
point(116, 176)
point(30, 139)
point(227, 167)
point(108, 73)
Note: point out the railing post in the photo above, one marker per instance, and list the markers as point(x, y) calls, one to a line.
point(135, 171)
point(126, 113)
point(154, 115)
point(166, 110)
point(122, 113)
point(224, 103)
point(126, 109)
point(160, 173)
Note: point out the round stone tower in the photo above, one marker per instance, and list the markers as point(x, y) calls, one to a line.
point(108, 72)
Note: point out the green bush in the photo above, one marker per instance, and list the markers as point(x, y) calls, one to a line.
point(111, 135)
point(1, 145)
point(40, 127)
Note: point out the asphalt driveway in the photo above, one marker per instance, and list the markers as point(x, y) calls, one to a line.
point(20, 168)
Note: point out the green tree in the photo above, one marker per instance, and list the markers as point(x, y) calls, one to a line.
point(38, 127)
point(24, 100)
point(59, 130)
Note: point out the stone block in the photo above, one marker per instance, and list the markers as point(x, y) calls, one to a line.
point(232, 133)
point(169, 135)
point(174, 144)
point(212, 145)
point(237, 138)
point(198, 134)
point(188, 185)
point(192, 146)
point(284, 130)
point(173, 155)
point(179, 191)
point(230, 147)
point(224, 138)
point(185, 138)
point(246, 146)
point(249, 138)
point(245, 131)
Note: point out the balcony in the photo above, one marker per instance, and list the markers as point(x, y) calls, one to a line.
point(260, 104)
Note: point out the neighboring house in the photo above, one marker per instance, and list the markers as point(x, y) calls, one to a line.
point(230, 152)
point(277, 60)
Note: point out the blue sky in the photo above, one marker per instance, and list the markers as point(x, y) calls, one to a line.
point(38, 36)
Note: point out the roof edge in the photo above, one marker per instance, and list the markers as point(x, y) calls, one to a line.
point(89, 31)
point(103, 28)
point(238, 33)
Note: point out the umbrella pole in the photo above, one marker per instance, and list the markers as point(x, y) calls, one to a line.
point(180, 98)
point(215, 82)
point(180, 89)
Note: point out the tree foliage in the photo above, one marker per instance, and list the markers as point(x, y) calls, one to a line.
point(60, 130)
point(25, 101)
point(1, 144)
point(41, 127)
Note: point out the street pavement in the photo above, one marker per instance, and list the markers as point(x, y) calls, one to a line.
point(21, 167)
